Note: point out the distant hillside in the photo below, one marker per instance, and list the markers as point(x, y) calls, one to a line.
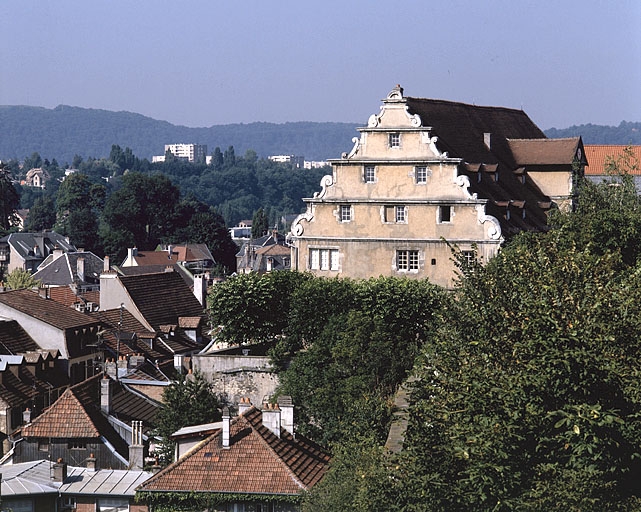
point(625, 133)
point(65, 131)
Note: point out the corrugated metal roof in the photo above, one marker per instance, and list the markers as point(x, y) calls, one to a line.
point(117, 482)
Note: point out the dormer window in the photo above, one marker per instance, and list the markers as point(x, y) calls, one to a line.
point(394, 140)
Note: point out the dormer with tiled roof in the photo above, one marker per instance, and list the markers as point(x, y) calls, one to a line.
point(244, 461)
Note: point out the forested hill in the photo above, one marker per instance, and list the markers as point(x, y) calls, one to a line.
point(625, 133)
point(65, 131)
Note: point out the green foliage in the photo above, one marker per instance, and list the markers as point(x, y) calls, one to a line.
point(9, 201)
point(189, 400)
point(527, 393)
point(42, 215)
point(260, 224)
point(19, 279)
point(253, 308)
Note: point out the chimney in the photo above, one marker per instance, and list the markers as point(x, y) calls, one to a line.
point(105, 394)
point(169, 268)
point(110, 368)
point(226, 425)
point(287, 413)
point(105, 265)
point(91, 462)
point(200, 289)
point(80, 268)
point(26, 416)
point(57, 252)
point(244, 405)
point(156, 467)
point(487, 139)
point(271, 418)
point(136, 448)
point(59, 471)
point(132, 252)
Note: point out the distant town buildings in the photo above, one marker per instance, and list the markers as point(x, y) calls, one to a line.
point(296, 161)
point(189, 152)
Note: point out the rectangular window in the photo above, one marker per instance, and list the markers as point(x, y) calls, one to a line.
point(113, 505)
point(346, 213)
point(421, 174)
point(394, 140)
point(323, 259)
point(445, 213)
point(369, 174)
point(407, 260)
point(43, 446)
point(401, 214)
point(468, 256)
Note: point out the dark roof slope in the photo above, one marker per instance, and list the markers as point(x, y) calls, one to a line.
point(14, 339)
point(162, 298)
point(257, 461)
point(64, 269)
point(544, 152)
point(460, 128)
point(46, 310)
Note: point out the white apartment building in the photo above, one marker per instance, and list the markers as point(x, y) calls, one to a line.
point(190, 152)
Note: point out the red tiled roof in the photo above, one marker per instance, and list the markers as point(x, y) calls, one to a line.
point(67, 417)
point(45, 310)
point(257, 462)
point(599, 155)
point(65, 295)
point(156, 258)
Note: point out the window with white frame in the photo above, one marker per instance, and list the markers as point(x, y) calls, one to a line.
point(407, 260)
point(397, 214)
point(444, 213)
point(323, 259)
point(345, 213)
point(400, 214)
point(468, 257)
point(113, 505)
point(394, 140)
point(421, 173)
point(369, 174)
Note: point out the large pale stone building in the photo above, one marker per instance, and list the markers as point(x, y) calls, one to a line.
point(428, 174)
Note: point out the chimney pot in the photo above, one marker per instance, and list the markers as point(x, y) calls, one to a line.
point(226, 427)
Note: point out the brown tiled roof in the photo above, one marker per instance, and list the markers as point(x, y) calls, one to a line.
point(257, 462)
point(599, 155)
point(189, 322)
point(77, 415)
point(544, 152)
point(162, 298)
point(144, 258)
point(14, 339)
point(45, 310)
point(66, 296)
point(20, 389)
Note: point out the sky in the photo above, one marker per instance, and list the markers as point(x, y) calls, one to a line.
point(200, 63)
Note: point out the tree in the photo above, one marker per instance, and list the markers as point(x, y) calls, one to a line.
point(190, 400)
point(527, 394)
point(42, 215)
point(253, 308)
point(217, 159)
point(260, 224)
point(9, 201)
point(19, 279)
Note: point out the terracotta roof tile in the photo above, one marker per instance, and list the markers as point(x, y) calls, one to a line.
point(14, 339)
point(598, 156)
point(257, 462)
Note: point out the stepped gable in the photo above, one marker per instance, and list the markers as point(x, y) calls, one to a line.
point(162, 298)
point(256, 462)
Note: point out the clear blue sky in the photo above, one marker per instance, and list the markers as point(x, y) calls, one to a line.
point(205, 62)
